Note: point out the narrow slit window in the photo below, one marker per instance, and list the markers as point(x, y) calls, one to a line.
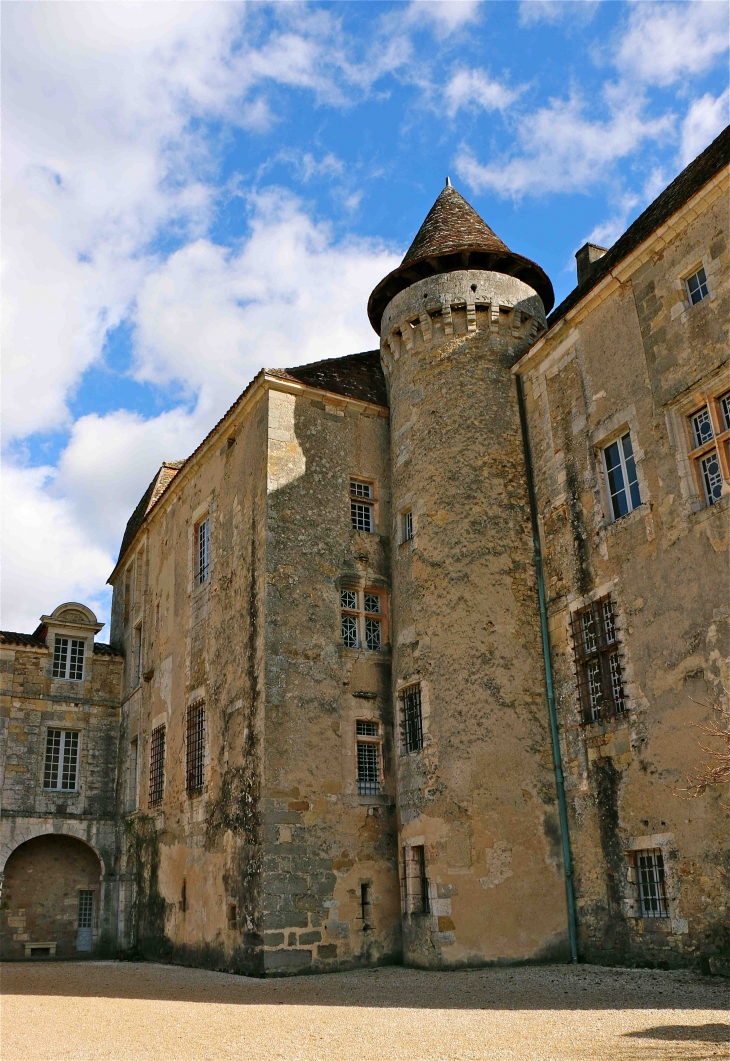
point(68, 658)
point(406, 527)
point(651, 883)
point(362, 505)
point(157, 766)
point(697, 286)
point(416, 880)
point(621, 478)
point(202, 551)
point(62, 760)
point(195, 750)
point(412, 718)
point(365, 906)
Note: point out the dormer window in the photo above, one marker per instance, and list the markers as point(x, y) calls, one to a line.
point(68, 658)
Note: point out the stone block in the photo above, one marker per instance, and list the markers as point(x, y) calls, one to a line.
point(327, 950)
point(286, 960)
point(306, 938)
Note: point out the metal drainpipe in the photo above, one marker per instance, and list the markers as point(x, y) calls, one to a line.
point(557, 762)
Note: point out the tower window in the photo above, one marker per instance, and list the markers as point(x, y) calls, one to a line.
point(62, 760)
point(68, 658)
point(157, 766)
point(362, 505)
point(365, 905)
point(362, 619)
point(412, 718)
point(415, 880)
point(597, 660)
point(368, 757)
point(621, 479)
point(651, 883)
point(195, 748)
point(697, 286)
point(406, 527)
point(202, 551)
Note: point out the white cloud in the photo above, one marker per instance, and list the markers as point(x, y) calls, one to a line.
point(564, 150)
point(705, 119)
point(50, 555)
point(665, 42)
point(474, 88)
point(446, 15)
point(533, 11)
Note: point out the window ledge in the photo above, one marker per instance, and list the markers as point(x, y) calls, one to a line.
point(364, 653)
point(382, 800)
point(707, 511)
point(636, 514)
point(608, 725)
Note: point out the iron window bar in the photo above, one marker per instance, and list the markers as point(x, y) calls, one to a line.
point(203, 552)
point(597, 661)
point(412, 718)
point(157, 766)
point(368, 763)
point(362, 498)
point(195, 748)
point(651, 883)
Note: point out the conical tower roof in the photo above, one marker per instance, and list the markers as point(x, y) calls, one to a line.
point(452, 237)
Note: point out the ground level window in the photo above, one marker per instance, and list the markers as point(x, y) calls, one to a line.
point(598, 661)
point(195, 749)
point(651, 883)
point(85, 921)
point(368, 757)
point(62, 760)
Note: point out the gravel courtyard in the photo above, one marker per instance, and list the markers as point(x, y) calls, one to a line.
point(125, 1011)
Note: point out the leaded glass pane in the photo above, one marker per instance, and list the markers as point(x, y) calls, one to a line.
point(349, 631)
point(373, 637)
point(348, 600)
point(372, 602)
point(711, 477)
point(702, 427)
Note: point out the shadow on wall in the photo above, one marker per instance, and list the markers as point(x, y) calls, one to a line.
point(554, 987)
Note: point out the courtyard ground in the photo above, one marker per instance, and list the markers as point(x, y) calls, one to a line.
point(128, 1011)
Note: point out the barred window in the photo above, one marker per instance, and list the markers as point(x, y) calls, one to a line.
point(62, 760)
point(651, 883)
point(195, 748)
point(368, 757)
point(86, 909)
point(597, 660)
point(697, 286)
point(362, 505)
point(621, 479)
point(157, 766)
point(202, 551)
point(412, 719)
point(68, 658)
point(362, 619)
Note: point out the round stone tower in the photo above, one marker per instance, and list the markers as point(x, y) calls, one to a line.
point(479, 830)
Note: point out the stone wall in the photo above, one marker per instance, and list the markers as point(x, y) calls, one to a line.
point(636, 357)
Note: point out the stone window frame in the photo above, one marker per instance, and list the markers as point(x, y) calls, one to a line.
point(375, 739)
point(204, 512)
point(629, 884)
point(360, 588)
point(683, 306)
point(612, 429)
point(373, 501)
point(86, 657)
point(406, 527)
point(196, 754)
point(678, 415)
point(55, 792)
point(411, 898)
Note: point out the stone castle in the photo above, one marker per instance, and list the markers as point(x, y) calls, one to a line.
point(405, 657)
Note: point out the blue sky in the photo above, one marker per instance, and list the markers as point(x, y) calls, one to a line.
point(193, 191)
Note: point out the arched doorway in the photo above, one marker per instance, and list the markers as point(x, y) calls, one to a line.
point(50, 901)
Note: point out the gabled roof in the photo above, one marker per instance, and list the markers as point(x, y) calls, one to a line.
point(674, 196)
point(452, 237)
point(358, 376)
point(152, 494)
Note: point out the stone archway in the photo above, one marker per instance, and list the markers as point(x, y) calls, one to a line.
point(51, 898)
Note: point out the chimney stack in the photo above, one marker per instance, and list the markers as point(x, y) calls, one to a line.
point(585, 257)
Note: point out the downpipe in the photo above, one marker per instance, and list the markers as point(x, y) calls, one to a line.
point(542, 602)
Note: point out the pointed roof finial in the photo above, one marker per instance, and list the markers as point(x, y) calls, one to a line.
point(448, 182)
